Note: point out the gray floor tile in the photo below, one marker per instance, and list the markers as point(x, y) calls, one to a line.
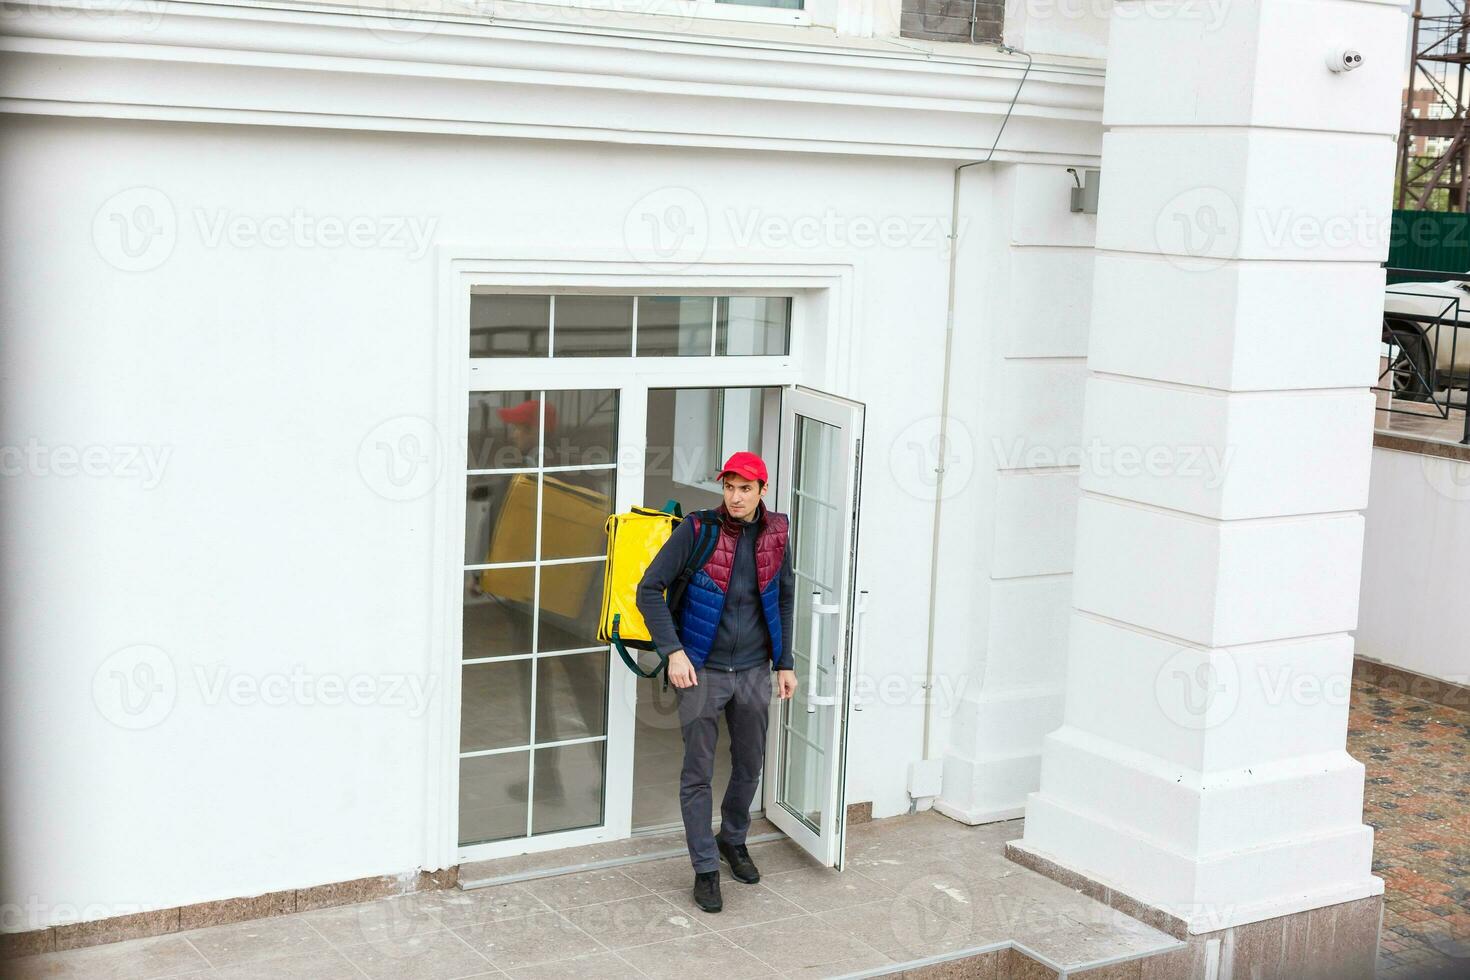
point(900, 927)
point(256, 940)
point(899, 870)
point(915, 886)
point(434, 956)
point(322, 965)
point(635, 921)
point(598, 966)
point(587, 888)
point(662, 875)
point(385, 919)
point(774, 857)
point(798, 943)
point(542, 937)
point(461, 908)
point(710, 955)
point(869, 960)
point(821, 889)
point(133, 959)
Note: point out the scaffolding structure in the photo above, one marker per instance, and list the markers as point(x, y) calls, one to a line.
point(1434, 145)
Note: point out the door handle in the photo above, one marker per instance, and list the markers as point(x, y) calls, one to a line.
point(857, 652)
point(814, 653)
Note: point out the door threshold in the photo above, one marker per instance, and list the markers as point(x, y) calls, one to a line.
point(592, 857)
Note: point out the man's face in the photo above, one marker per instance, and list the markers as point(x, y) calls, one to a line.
point(523, 437)
point(742, 495)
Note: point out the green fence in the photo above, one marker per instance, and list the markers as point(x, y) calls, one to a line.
point(1436, 241)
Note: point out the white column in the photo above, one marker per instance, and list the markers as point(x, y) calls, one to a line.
point(1201, 765)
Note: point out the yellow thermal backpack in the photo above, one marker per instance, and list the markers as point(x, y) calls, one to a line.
point(633, 539)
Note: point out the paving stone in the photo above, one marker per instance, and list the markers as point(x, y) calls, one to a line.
point(1417, 757)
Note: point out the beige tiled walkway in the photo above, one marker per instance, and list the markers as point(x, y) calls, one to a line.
point(915, 888)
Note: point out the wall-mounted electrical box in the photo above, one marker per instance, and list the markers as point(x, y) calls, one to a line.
point(1084, 195)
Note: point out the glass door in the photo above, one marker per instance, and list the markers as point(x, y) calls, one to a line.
point(539, 487)
point(820, 467)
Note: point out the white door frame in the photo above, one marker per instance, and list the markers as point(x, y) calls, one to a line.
point(821, 294)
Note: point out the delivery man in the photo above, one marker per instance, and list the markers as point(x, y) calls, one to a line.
point(734, 632)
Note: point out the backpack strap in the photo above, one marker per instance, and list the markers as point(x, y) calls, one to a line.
point(706, 537)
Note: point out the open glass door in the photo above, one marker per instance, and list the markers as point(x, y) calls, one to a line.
point(820, 464)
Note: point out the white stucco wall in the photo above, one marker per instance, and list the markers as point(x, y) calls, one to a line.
point(1416, 565)
point(187, 513)
point(1023, 301)
point(253, 373)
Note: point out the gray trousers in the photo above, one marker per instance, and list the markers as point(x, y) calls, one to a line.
point(745, 698)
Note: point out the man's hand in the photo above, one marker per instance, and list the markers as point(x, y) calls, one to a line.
point(785, 683)
point(681, 671)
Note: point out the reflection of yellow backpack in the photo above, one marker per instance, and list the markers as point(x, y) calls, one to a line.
point(633, 539)
point(571, 527)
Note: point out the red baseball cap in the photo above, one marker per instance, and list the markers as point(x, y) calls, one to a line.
point(525, 414)
point(748, 465)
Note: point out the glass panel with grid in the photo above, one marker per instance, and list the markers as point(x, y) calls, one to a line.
point(566, 325)
point(540, 482)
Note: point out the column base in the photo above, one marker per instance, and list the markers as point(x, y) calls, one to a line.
point(993, 784)
point(1335, 940)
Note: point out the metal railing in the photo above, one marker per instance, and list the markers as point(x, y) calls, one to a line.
point(1419, 378)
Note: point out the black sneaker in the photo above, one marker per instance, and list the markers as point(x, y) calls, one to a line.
point(738, 858)
point(707, 890)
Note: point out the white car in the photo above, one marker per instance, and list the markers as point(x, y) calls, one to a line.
point(1426, 356)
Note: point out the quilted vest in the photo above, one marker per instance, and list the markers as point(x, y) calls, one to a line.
point(704, 599)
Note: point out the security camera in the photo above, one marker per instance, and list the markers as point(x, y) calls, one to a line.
point(1344, 59)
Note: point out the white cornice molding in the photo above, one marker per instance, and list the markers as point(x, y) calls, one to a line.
point(715, 85)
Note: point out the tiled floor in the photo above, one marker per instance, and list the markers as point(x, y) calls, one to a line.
point(1424, 423)
point(915, 887)
point(1417, 798)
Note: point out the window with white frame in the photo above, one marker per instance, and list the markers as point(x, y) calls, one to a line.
point(616, 325)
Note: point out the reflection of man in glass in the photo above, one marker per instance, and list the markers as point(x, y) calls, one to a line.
point(521, 422)
point(733, 634)
point(570, 688)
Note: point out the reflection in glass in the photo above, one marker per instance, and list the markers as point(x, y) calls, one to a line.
point(568, 791)
point(753, 325)
point(525, 520)
point(672, 326)
point(493, 708)
point(691, 431)
point(593, 326)
point(504, 430)
point(571, 696)
point(500, 518)
point(509, 326)
point(488, 808)
point(802, 767)
point(571, 600)
point(815, 532)
point(574, 510)
point(816, 520)
point(497, 612)
point(585, 432)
